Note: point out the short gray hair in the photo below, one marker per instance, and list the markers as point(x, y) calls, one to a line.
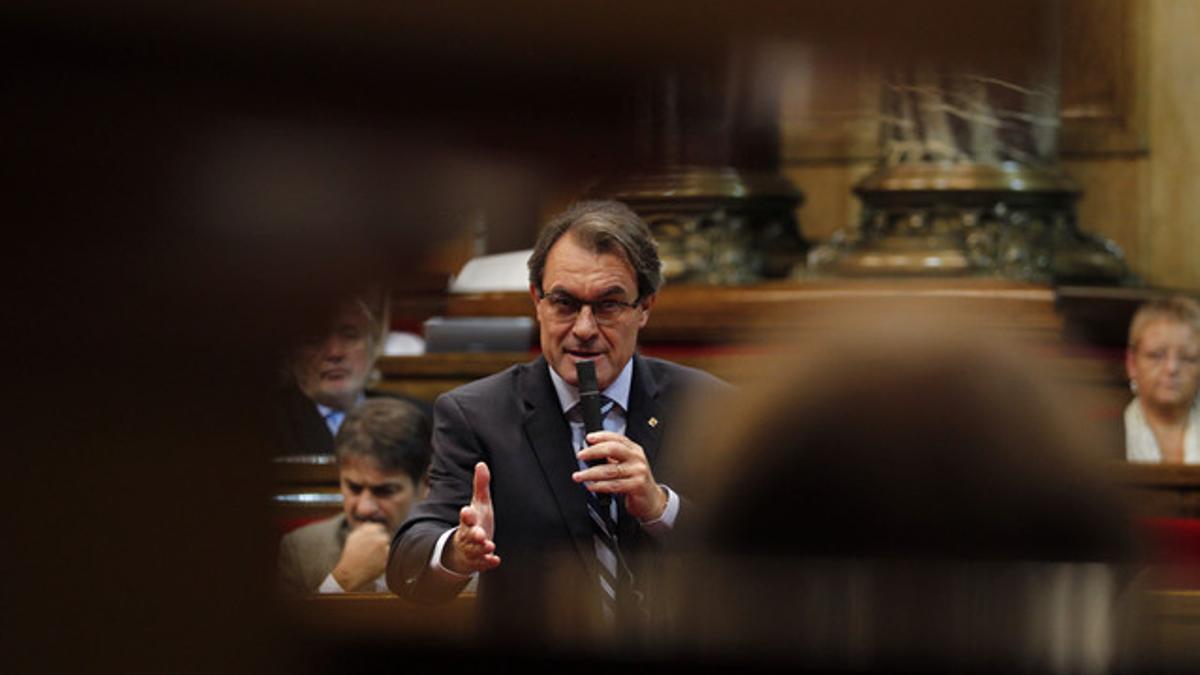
point(1178, 309)
point(603, 226)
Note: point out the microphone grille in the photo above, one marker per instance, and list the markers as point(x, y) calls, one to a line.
point(586, 371)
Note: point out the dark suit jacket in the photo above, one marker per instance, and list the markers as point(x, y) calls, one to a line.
point(513, 422)
point(299, 427)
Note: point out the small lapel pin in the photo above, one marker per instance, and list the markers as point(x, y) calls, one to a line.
point(653, 422)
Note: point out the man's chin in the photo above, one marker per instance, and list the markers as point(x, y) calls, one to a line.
point(568, 372)
point(337, 397)
point(355, 524)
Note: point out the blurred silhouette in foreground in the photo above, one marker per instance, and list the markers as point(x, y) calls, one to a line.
point(1162, 422)
point(905, 492)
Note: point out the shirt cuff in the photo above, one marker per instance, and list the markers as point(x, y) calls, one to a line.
point(663, 524)
point(435, 563)
point(330, 585)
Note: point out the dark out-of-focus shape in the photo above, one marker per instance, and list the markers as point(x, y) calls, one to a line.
point(904, 491)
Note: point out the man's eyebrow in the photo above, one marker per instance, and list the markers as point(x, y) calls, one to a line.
point(608, 292)
point(614, 290)
point(380, 486)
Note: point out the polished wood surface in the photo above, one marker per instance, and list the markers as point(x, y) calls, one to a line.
point(305, 470)
point(373, 615)
point(700, 314)
point(306, 489)
point(1160, 491)
point(735, 332)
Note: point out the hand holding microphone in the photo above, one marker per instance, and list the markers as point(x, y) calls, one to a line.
point(616, 464)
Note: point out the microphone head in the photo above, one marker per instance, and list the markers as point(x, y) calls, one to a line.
point(586, 372)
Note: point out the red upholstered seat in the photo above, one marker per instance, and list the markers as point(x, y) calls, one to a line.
point(1173, 544)
point(288, 524)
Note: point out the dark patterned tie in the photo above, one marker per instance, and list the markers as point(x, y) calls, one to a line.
point(615, 577)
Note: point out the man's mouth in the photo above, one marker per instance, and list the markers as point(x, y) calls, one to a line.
point(335, 374)
point(582, 355)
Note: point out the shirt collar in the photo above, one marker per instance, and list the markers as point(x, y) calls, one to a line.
point(326, 410)
point(618, 391)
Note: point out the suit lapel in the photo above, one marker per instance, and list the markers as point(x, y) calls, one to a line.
point(549, 435)
point(644, 406)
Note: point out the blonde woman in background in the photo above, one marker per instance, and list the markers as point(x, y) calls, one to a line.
point(1162, 422)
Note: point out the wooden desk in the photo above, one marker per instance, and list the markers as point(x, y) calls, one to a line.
point(729, 331)
point(1160, 491)
point(383, 615)
point(696, 314)
point(307, 489)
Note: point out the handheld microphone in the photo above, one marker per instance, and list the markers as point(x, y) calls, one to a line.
point(589, 398)
point(589, 405)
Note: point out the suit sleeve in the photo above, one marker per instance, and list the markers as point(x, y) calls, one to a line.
point(291, 577)
point(456, 450)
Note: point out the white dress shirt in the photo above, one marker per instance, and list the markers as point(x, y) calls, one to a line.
point(1140, 444)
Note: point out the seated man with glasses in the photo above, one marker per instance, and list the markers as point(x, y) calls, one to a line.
point(513, 479)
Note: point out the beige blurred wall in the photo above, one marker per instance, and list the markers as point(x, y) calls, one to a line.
point(1169, 236)
point(1130, 134)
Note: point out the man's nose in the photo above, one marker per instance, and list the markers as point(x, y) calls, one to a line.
point(366, 505)
point(334, 348)
point(585, 323)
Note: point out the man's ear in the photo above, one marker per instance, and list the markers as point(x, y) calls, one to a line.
point(423, 486)
point(1130, 363)
point(533, 293)
point(647, 303)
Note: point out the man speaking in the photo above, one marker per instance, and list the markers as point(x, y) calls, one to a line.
point(553, 520)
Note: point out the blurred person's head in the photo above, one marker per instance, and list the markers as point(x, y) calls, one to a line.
point(331, 366)
point(913, 434)
point(383, 452)
point(1163, 356)
point(905, 490)
point(594, 275)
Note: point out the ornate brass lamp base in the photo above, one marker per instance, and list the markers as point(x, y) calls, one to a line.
point(716, 225)
point(944, 219)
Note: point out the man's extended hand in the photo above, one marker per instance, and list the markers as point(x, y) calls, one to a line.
point(364, 557)
point(625, 472)
point(471, 548)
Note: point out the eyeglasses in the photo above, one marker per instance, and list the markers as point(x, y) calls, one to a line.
point(565, 307)
point(1159, 357)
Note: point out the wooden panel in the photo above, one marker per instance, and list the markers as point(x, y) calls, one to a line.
point(1172, 631)
point(829, 103)
point(304, 470)
point(1162, 491)
point(1115, 201)
point(1103, 74)
point(830, 98)
point(306, 489)
point(723, 315)
point(450, 365)
point(1171, 235)
point(829, 203)
point(341, 616)
point(1077, 332)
